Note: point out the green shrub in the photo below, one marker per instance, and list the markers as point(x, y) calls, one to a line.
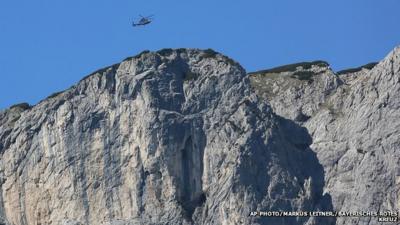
point(303, 75)
point(55, 94)
point(180, 50)
point(165, 51)
point(368, 66)
point(142, 53)
point(230, 61)
point(138, 55)
point(209, 53)
point(23, 106)
point(293, 67)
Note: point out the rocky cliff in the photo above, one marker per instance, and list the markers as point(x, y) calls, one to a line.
point(185, 136)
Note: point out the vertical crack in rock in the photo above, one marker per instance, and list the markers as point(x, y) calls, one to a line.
point(191, 185)
point(80, 171)
point(187, 183)
point(141, 189)
point(22, 205)
point(107, 173)
point(112, 163)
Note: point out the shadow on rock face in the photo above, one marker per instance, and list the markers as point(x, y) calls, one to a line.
point(187, 164)
point(295, 178)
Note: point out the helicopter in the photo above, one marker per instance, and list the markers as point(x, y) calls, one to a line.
point(144, 20)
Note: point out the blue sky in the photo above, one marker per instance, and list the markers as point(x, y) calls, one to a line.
point(49, 45)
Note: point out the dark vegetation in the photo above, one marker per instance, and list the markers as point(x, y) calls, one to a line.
point(303, 75)
point(169, 51)
point(165, 51)
point(138, 55)
point(230, 61)
point(209, 53)
point(180, 50)
point(368, 66)
point(190, 76)
point(293, 67)
point(15, 118)
point(55, 94)
point(102, 70)
point(23, 106)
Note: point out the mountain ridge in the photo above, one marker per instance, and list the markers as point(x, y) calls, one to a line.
point(187, 136)
point(281, 68)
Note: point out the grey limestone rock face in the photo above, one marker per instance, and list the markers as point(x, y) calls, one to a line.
point(168, 137)
point(186, 136)
point(353, 120)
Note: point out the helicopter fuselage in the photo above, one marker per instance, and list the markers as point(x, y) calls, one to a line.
point(141, 23)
